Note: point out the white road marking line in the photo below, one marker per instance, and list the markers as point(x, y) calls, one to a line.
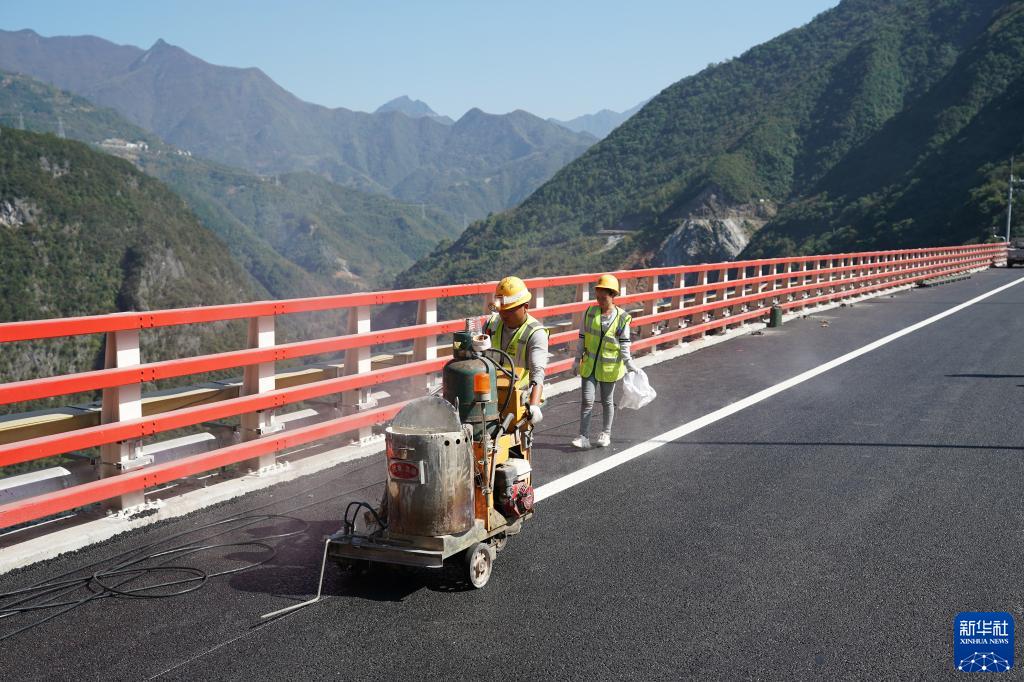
point(619, 458)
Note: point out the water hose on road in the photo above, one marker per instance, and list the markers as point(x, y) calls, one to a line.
point(116, 578)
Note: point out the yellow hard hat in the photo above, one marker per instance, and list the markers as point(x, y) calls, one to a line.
point(608, 282)
point(511, 292)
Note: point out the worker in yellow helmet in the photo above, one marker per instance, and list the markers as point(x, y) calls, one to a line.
point(515, 331)
point(602, 358)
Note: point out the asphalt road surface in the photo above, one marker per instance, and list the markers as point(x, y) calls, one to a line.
point(832, 530)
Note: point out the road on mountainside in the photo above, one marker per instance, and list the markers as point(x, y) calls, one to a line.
point(833, 529)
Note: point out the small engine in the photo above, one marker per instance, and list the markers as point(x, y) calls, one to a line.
point(513, 494)
point(516, 501)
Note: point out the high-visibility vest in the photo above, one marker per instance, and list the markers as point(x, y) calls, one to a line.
point(602, 357)
point(516, 346)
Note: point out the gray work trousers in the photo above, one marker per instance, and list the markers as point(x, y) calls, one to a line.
point(589, 386)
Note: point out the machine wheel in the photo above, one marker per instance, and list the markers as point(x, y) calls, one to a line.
point(499, 541)
point(479, 562)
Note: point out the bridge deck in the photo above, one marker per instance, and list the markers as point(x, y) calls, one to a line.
point(833, 529)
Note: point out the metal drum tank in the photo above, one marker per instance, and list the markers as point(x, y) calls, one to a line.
point(430, 470)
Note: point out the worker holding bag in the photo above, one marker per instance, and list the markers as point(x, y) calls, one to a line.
point(602, 358)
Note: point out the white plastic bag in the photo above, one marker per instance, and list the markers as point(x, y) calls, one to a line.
point(636, 391)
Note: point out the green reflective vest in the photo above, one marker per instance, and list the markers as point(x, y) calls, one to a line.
point(601, 356)
point(517, 345)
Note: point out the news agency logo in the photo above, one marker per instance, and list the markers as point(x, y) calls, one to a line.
point(983, 642)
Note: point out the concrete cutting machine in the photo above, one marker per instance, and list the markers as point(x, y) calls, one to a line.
point(458, 472)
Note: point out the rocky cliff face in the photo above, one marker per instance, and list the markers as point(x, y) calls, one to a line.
point(709, 230)
point(82, 233)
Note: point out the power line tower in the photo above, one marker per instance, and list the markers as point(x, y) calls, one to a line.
point(21, 121)
point(60, 129)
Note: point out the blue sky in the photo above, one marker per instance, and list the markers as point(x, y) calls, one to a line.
point(552, 58)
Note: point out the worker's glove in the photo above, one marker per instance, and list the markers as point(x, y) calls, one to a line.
point(631, 366)
point(536, 416)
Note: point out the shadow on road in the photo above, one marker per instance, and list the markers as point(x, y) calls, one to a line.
point(293, 574)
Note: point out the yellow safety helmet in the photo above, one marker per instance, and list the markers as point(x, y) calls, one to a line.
point(511, 292)
point(608, 282)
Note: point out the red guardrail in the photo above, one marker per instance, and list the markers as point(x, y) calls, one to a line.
point(719, 295)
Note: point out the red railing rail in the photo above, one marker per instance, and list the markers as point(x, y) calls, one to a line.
point(700, 299)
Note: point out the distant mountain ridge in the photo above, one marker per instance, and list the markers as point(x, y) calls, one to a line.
point(881, 123)
point(412, 109)
point(296, 234)
point(601, 123)
point(243, 118)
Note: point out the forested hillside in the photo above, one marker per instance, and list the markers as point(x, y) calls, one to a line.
point(301, 235)
point(935, 174)
point(84, 233)
point(872, 102)
point(296, 234)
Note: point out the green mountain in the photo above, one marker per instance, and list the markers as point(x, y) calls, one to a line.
point(332, 239)
point(601, 123)
point(296, 234)
point(84, 233)
point(240, 117)
point(937, 171)
point(738, 149)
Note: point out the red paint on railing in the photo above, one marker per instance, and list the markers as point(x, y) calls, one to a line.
point(889, 269)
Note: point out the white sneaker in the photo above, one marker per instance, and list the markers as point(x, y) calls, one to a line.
point(581, 442)
point(604, 440)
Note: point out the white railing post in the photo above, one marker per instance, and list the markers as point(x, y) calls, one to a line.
point(780, 282)
point(259, 378)
point(538, 298)
point(728, 292)
point(582, 294)
point(122, 403)
point(679, 304)
point(357, 361)
point(796, 282)
point(650, 306)
point(720, 296)
point(699, 299)
point(740, 290)
point(425, 348)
